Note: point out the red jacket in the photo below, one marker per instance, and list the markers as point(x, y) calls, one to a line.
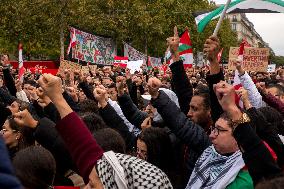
point(274, 102)
point(82, 146)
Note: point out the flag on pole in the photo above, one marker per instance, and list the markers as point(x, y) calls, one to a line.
point(73, 39)
point(242, 49)
point(185, 50)
point(219, 56)
point(120, 61)
point(239, 6)
point(21, 63)
point(237, 83)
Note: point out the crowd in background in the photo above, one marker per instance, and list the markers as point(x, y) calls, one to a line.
point(173, 128)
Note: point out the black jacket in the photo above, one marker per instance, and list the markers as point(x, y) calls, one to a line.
point(87, 89)
point(216, 109)
point(51, 112)
point(268, 133)
point(256, 156)
point(9, 81)
point(4, 113)
point(6, 97)
point(182, 86)
point(191, 134)
point(132, 88)
point(114, 121)
point(131, 112)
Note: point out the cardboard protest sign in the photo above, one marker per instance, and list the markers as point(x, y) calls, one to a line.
point(254, 59)
point(85, 69)
point(65, 64)
point(233, 55)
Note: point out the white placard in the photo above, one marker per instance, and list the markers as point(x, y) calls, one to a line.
point(271, 68)
point(134, 65)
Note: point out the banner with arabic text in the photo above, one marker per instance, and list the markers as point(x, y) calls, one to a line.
point(93, 49)
point(133, 54)
point(155, 62)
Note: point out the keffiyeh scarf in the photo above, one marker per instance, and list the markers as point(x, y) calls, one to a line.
point(213, 170)
point(132, 172)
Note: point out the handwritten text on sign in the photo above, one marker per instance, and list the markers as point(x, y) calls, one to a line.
point(255, 59)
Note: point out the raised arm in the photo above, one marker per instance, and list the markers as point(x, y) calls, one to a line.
point(113, 120)
point(247, 83)
point(9, 80)
point(129, 109)
point(211, 48)
point(180, 82)
point(46, 135)
point(190, 133)
point(270, 99)
point(257, 157)
point(79, 141)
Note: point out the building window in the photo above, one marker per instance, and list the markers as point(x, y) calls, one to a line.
point(234, 18)
point(234, 27)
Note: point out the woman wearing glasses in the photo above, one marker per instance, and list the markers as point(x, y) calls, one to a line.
point(16, 137)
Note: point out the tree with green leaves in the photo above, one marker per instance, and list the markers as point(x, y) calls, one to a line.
point(145, 24)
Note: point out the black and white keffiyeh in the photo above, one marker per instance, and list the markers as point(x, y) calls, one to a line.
point(213, 170)
point(138, 173)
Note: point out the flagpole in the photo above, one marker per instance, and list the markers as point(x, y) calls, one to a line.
point(221, 18)
point(21, 62)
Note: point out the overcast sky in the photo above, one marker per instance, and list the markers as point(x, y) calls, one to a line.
point(270, 27)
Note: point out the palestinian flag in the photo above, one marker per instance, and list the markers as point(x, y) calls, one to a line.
point(149, 63)
point(73, 40)
point(185, 50)
point(240, 6)
point(237, 83)
point(120, 61)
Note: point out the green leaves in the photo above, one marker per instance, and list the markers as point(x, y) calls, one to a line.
point(144, 23)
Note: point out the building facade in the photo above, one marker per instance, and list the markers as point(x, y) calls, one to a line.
point(245, 30)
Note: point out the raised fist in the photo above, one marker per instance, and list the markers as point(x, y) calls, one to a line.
point(51, 85)
point(24, 118)
point(153, 86)
point(211, 48)
point(173, 42)
point(225, 94)
point(100, 95)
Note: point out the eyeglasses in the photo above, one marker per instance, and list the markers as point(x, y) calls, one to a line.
point(216, 131)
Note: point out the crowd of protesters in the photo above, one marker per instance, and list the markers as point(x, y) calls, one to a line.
point(177, 128)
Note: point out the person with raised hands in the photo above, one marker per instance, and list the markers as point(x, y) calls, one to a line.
point(248, 84)
point(112, 119)
point(117, 108)
point(220, 149)
point(256, 154)
point(264, 128)
point(7, 75)
point(99, 170)
point(47, 136)
point(21, 95)
point(272, 99)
